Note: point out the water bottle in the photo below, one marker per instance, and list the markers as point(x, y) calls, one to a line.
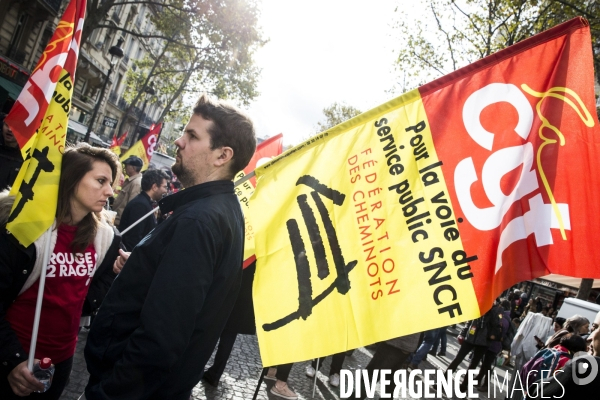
point(43, 372)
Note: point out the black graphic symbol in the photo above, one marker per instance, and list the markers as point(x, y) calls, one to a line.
point(26, 189)
point(341, 282)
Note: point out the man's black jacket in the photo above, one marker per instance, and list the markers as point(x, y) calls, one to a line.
point(161, 319)
point(139, 206)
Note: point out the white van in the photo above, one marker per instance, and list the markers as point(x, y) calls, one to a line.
point(572, 306)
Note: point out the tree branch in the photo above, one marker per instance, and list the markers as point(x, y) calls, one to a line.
point(142, 35)
point(450, 47)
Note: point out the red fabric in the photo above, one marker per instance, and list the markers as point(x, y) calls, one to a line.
point(62, 51)
point(558, 59)
point(67, 283)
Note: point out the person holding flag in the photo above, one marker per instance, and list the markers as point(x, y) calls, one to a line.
point(80, 239)
point(51, 225)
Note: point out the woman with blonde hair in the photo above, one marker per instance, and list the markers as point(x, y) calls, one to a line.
point(81, 240)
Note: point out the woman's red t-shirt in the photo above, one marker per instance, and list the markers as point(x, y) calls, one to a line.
point(68, 278)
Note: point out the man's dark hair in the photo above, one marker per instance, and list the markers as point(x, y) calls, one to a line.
point(231, 127)
point(505, 304)
point(151, 177)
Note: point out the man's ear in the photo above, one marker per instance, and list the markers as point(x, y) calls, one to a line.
point(225, 155)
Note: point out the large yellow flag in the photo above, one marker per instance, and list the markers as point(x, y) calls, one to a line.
point(418, 213)
point(39, 121)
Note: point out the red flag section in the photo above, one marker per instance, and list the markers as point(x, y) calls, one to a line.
point(62, 51)
point(520, 138)
point(144, 148)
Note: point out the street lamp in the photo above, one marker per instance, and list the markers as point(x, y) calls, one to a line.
point(116, 52)
point(149, 90)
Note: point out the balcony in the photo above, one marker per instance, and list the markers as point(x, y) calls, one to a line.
point(53, 4)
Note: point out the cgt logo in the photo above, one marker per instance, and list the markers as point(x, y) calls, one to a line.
point(585, 369)
point(541, 217)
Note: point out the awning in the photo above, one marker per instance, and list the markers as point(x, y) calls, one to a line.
point(81, 129)
point(12, 88)
point(568, 281)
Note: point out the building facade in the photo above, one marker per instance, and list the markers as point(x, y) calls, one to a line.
point(26, 26)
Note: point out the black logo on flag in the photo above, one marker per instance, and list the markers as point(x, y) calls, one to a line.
point(26, 188)
point(341, 282)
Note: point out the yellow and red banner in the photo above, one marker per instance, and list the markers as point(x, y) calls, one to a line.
point(418, 213)
point(265, 151)
point(116, 143)
point(39, 121)
point(144, 148)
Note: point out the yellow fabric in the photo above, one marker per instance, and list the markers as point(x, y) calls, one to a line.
point(243, 192)
point(30, 218)
point(391, 291)
point(138, 150)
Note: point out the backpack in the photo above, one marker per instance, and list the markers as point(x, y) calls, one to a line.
point(508, 338)
point(542, 365)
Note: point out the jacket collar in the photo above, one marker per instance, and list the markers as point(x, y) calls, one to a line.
point(145, 195)
point(197, 192)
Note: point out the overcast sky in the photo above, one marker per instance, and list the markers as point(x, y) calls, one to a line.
point(321, 52)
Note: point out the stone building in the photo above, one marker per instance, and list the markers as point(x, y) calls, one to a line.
point(26, 26)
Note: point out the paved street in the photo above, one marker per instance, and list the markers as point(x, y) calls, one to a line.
point(244, 367)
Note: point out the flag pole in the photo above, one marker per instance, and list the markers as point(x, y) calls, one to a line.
point(38, 305)
point(237, 183)
point(140, 220)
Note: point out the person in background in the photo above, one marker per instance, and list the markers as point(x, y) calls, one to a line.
point(538, 304)
point(476, 336)
point(280, 375)
point(80, 241)
point(154, 187)
point(390, 355)
point(429, 338)
point(132, 186)
point(334, 371)
point(594, 337)
point(494, 346)
point(576, 324)
point(10, 156)
point(530, 307)
point(442, 342)
point(240, 322)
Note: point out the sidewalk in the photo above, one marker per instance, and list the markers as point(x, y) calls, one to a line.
point(244, 367)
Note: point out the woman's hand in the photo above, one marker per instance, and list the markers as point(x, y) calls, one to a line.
point(120, 261)
point(22, 381)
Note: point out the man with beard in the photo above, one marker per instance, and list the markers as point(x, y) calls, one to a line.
point(162, 317)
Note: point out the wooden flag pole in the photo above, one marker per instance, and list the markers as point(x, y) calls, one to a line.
point(38, 305)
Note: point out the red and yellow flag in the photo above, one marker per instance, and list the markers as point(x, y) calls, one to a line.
point(418, 213)
point(144, 148)
point(116, 143)
point(265, 151)
point(39, 121)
